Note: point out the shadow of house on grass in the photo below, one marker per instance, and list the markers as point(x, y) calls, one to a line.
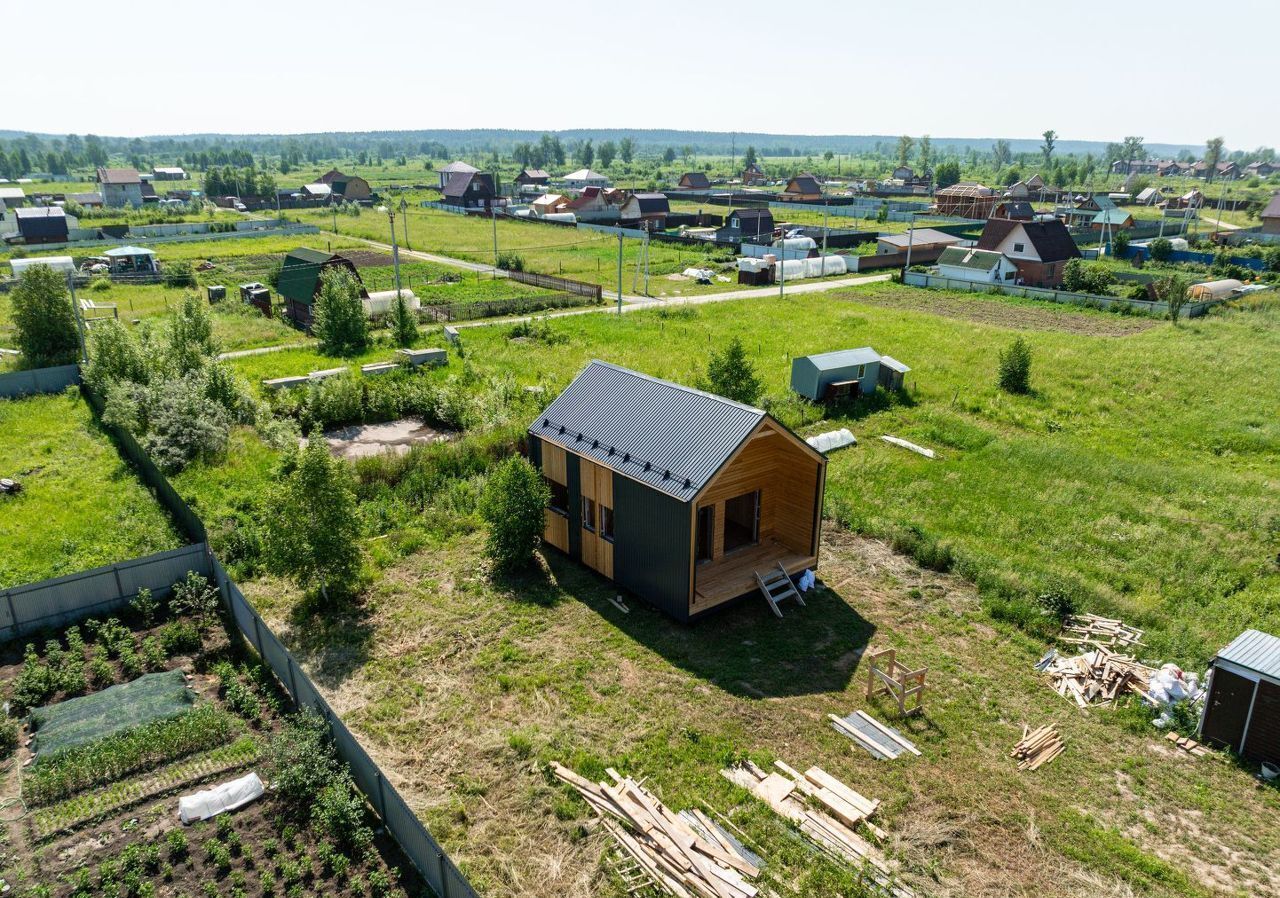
point(332, 643)
point(742, 648)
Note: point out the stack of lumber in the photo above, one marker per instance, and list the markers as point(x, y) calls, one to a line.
point(1037, 748)
point(1104, 632)
point(676, 857)
point(827, 811)
point(1099, 676)
point(880, 741)
point(1187, 744)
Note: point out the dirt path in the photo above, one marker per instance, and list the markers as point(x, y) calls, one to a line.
point(993, 311)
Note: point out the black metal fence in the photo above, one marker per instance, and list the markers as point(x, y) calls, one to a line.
point(493, 308)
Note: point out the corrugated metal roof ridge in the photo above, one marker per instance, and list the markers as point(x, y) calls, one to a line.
point(615, 443)
point(1255, 650)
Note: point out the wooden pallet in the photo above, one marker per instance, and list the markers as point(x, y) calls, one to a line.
point(776, 586)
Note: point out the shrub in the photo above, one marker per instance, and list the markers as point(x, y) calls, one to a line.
point(179, 273)
point(513, 505)
point(1172, 289)
point(339, 321)
point(35, 683)
point(303, 760)
point(1161, 249)
point(180, 638)
point(153, 654)
point(404, 326)
point(731, 375)
point(193, 596)
point(1059, 600)
point(339, 812)
point(1119, 244)
point(1015, 367)
point(44, 320)
point(8, 737)
point(176, 841)
point(1080, 276)
point(145, 605)
point(511, 262)
point(185, 424)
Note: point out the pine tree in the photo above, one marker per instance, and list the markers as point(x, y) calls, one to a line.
point(1015, 367)
point(731, 375)
point(314, 531)
point(404, 326)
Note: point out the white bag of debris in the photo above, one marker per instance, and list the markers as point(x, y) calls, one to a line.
point(1170, 685)
point(226, 797)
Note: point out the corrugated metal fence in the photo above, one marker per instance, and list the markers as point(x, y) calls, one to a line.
point(38, 380)
point(423, 851)
point(63, 600)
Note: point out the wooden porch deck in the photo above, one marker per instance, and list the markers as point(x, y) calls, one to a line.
point(733, 575)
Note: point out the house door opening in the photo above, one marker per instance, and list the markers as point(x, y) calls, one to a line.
point(742, 521)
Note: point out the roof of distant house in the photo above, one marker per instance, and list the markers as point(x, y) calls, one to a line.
point(455, 167)
point(585, 174)
point(667, 436)
point(1051, 239)
point(804, 183)
point(652, 202)
point(460, 182)
point(534, 174)
point(40, 212)
point(119, 176)
point(85, 199)
point(695, 179)
point(12, 193)
point(1111, 217)
point(169, 170)
point(843, 358)
point(1019, 209)
point(1273, 208)
point(919, 237)
point(121, 251)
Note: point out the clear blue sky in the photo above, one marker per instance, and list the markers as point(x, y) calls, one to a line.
point(982, 68)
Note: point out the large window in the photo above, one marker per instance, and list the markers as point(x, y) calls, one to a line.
point(606, 522)
point(589, 514)
point(559, 496)
point(742, 521)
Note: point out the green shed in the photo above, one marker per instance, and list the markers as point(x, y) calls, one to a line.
point(845, 372)
point(299, 282)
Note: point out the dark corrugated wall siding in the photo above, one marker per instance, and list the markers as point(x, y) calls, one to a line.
point(535, 451)
point(651, 545)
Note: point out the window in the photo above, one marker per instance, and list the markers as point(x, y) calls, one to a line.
point(589, 514)
point(559, 496)
point(862, 371)
point(1019, 247)
point(742, 521)
point(706, 533)
point(606, 523)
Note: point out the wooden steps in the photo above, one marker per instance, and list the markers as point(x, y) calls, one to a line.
point(776, 586)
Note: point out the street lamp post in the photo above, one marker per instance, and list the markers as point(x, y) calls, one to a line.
point(395, 247)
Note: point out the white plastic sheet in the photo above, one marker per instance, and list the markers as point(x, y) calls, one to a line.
point(226, 797)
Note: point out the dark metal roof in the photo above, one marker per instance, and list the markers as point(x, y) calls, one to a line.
point(667, 436)
point(1051, 239)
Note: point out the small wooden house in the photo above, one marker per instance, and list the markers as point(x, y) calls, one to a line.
point(42, 224)
point(749, 223)
point(1271, 216)
point(676, 495)
point(350, 187)
point(802, 188)
point(651, 209)
point(471, 190)
point(694, 180)
point(300, 282)
point(454, 168)
point(753, 174)
point(532, 178)
point(1242, 710)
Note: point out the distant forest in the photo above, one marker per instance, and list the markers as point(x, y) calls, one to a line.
point(23, 154)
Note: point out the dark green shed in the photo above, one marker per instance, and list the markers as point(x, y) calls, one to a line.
point(299, 283)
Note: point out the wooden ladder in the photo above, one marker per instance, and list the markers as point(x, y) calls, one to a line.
point(776, 586)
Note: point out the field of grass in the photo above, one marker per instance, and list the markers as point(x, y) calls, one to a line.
point(80, 506)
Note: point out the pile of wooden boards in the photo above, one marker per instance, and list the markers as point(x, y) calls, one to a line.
point(680, 859)
point(1187, 744)
point(1037, 748)
point(1098, 677)
point(827, 811)
point(880, 741)
point(1103, 632)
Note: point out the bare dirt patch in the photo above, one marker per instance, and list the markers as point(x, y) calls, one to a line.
point(397, 437)
point(994, 311)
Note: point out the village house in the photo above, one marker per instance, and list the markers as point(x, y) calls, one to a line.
point(651, 209)
point(550, 204)
point(802, 188)
point(1223, 171)
point(42, 224)
point(12, 197)
point(86, 200)
point(1039, 249)
point(584, 178)
point(679, 496)
point(597, 204)
point(741, 224)
point(1148, 196)
point(351, 188)
point(168, 173)
point(1111, 219)
point(454, 168)
point(694, 180)
point(1260, 169)
point(753, 175)
point(1018, 209)
point(534, 179)
point(1271, 216)
point(904, 173)
point(471, 190)
point(982, 266)
point(120, 187)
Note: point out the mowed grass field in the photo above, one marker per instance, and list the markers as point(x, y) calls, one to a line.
point(81, 505)
point(1157, 502)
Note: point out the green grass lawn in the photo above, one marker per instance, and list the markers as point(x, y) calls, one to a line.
point(80, 506)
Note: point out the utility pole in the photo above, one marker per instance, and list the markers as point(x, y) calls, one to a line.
point(911, 238)
point(826, 206)
point(75, 307)
point(335, 216)
point(493, 215)
point(404, 214)
point(395, 247)
point(619, 271)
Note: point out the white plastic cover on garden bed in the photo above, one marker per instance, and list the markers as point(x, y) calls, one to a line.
point(226, 797)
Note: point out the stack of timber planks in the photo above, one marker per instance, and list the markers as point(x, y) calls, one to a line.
point(1037, 748)
point(673, 855)
point(1187, 744)
point(1098, 677)
point(1104, 632)
point(827, 812)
